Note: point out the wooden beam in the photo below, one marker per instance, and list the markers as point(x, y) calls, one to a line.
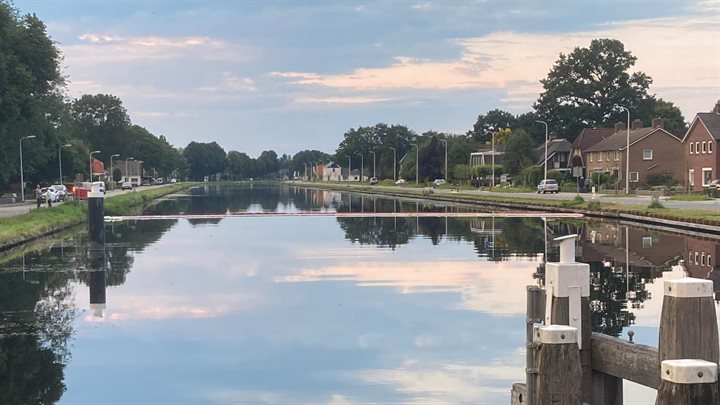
point(629, 361)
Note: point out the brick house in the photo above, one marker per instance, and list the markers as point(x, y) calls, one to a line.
point(587, 138)
point(653, 151)
point(558, 154)
point(700, 149)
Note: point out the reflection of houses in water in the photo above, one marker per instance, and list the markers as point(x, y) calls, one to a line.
point(700, 261)
point(326, 198)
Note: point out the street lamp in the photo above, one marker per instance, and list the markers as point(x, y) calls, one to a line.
point(127, 174)
point(92, 153)
point(546, 145)
point(140, 175)
point(67, 145)
point(22, 179)
point(311, 170)
point(417, 163)
point(112, 183)
point(492, 186)
point(349, 167)
point(627, 153)
point(373, 153)
point(394, 162)
point(362, 166)
point(446, 148)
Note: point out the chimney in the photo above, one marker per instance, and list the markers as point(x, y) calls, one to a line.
point(658, 122)
point(716, 110)
point(636, 124)
point(619, 126)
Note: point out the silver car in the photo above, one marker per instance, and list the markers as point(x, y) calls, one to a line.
point(548, 186)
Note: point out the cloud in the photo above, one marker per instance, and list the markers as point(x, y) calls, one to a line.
point(342, 100)
point(232, 84)
point(497, 289)
point(678, 53)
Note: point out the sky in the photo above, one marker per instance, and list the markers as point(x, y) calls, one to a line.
point(294, 75)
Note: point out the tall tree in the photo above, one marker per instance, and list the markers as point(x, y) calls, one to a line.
point(493, 121)
point(239, 165)
point(204, 159)
point(586, 88)
point(519, 152)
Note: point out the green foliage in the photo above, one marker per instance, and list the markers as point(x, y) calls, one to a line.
point(655, 202)
point(116, 175)
point(578, 200)
point(594, 205)
point(205, 159)
point(663, 179)
point(519, 152)
point(690, 197)
point(531, 176)
point(585, 87)
point(493, 121)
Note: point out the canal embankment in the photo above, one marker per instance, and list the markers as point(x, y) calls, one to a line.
point(37, 223)
point(698, 219)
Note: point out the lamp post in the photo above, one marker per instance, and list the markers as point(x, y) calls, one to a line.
point(112, 183)
point(627, 153)
point(92, 153)
point(349, 167)
point(446, 148)
point(140, 162)
point(546, 145)
point(417, 163)
point(311, 170)
point(22, 178)
point(394, 162)
point(362, 166)
point(373, 153)
point(127, 174)
point(493, 161)
point(67, 145)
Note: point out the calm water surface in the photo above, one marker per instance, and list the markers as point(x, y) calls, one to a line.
point(316, 310)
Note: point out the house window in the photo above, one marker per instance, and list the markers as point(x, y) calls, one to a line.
point(696, 258)
point(690, 257)
point(709, 263)
point(591, 156)
point(599, 156)
point(617, 156)
point(647, 154)
point(691, 177)
point(692, 148)
point(703, 147)
point(706, 176)
point(710, 147)
point(697, 147)
point(647, 242)
point(634, 177)
point(702, 259)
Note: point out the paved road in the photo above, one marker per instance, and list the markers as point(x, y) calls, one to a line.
point(9, 210)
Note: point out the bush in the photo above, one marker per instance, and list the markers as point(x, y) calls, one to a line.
point(594, 205)
point(655, 202)
point(531, 176)
point(578, 200)
point(664, 179)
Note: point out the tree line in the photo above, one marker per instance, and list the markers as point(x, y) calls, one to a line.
point(585, 88)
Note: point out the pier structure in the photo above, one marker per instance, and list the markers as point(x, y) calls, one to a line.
point(567, 363)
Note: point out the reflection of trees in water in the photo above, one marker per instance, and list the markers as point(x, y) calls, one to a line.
point(36, 322)
point(381, 232)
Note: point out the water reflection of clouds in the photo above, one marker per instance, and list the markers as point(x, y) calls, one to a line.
point(497, 288)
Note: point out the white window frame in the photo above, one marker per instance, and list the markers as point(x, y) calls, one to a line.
point(647, 242)
point(710, 147)
point(690, 256)
point(691, 148)
point(702, 259)
point(705, 170)
point(590, 155)
point(696, 258)
point(651, 154)
point(697, 148)
point(600, 159)
point(709, 262)
point(704, 150)
point(634, 177)
point(691, 177)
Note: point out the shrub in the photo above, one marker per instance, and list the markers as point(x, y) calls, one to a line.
point(594, 205)
point(655, 202)
point(578, 200)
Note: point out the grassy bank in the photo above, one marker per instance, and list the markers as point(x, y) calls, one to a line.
point(705, 217)
point(36, 223)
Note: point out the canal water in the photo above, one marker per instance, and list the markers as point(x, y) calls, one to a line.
point(309, 310)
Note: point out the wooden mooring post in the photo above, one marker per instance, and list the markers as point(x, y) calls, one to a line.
point(559, 377)
point(683, 368)
point(96, 250)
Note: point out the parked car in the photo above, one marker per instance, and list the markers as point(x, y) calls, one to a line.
point(48, 192)
point(713, 184)
point(374, 180)
point(100, 185)
point(548, 186)
point(159, 180)
point(173, 180)
point(59, 190)
point(439, 182)
point(400, 181)
point(126, 185)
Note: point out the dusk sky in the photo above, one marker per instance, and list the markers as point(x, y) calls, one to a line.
point(295, 75)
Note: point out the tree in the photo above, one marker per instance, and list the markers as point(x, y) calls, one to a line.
point(674, 122)
point(204, 159)
point(32, 86)
point(301, 159)
point(493, 121)
point(102, 123)
point(586, 88)
point(267, 163)
point(519, 152)
point(239, 165)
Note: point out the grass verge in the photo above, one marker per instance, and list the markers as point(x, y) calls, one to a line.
point(36, 223)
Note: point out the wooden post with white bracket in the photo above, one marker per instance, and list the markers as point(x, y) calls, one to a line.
point(688, 382)
point(567, 285)
point(559, 378)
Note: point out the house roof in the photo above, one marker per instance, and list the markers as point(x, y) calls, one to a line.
point(711, 121)
point(591, 136)
point(554, 146)
point(332, 165)
point(618, 140)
